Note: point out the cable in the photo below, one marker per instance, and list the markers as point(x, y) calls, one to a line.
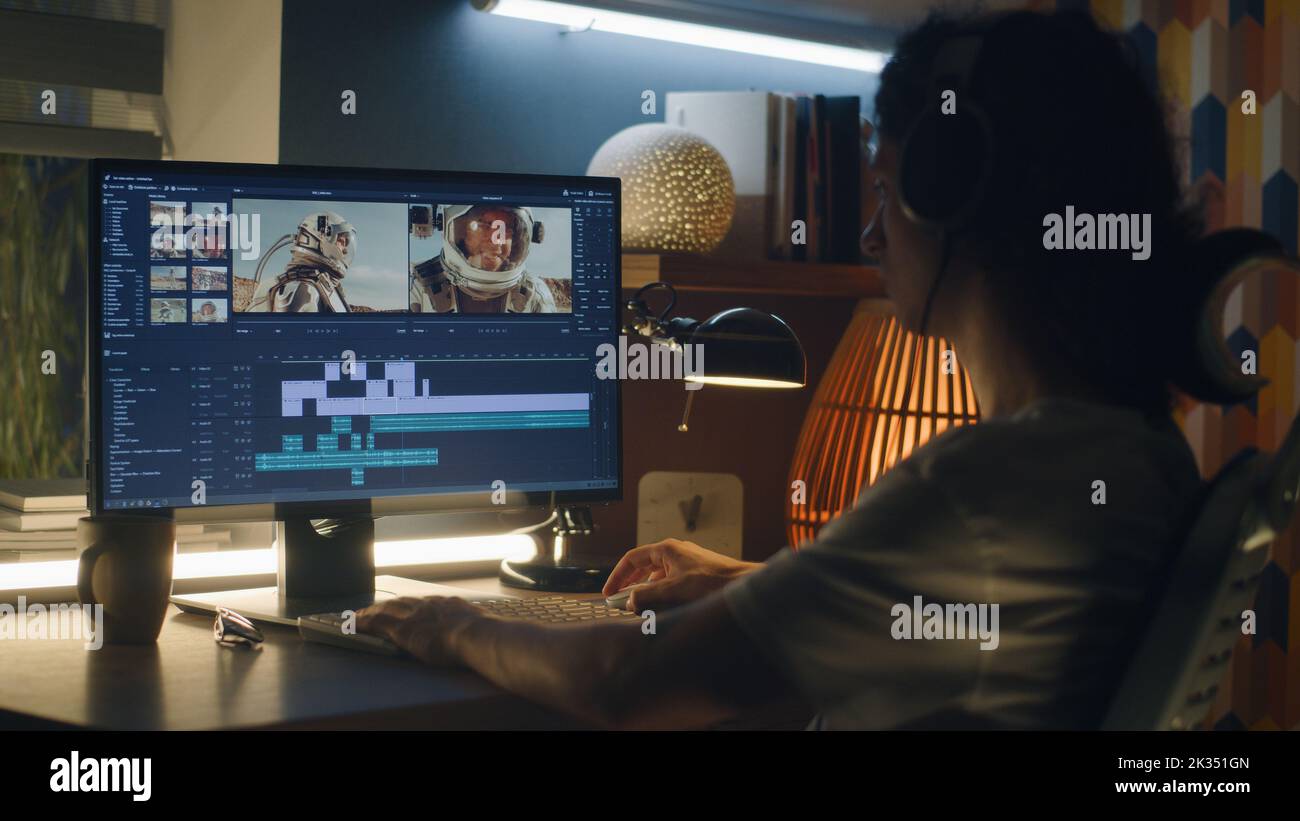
point(672, 299)
point(944, 258)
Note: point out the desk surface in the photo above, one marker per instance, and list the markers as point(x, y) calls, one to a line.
point(189, 682)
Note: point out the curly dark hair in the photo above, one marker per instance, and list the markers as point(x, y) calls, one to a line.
point(1075, 120)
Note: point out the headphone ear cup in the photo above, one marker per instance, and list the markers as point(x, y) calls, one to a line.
point(944, 166)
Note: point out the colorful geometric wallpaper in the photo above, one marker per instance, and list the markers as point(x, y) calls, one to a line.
point(1246, 169)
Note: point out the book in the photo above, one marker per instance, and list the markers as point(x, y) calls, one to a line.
point(843, 179)
point(27, 495)
point(814, 167)
point(803, 124)
point(24, 555)
point(787, 107)
point(41, 520)
point(190, 537)
point(743, 127)
point(55, 540)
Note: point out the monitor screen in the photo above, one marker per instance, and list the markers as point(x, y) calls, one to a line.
point(280, 335)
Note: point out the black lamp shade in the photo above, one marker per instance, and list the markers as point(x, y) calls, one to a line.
point(744, 347)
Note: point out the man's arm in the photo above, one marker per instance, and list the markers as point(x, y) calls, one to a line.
point(696, 669)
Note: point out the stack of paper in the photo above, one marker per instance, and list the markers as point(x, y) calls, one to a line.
point(40, 505)
point(41, 515)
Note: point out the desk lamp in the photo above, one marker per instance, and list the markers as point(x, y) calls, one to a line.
point(743, 347)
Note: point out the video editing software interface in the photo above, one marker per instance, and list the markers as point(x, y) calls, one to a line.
point(283, 339)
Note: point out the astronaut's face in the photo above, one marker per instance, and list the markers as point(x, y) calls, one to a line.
point(491, 239)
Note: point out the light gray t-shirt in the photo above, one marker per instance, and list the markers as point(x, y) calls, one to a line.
point(1004, 512)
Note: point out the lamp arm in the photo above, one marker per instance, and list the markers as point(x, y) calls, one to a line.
point(658, 327)
point(637, 304)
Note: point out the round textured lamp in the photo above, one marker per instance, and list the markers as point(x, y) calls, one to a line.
point(864, 419)
point(678, 195)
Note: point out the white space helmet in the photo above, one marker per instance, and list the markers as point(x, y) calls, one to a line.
point(484, 247)
point(325, 238)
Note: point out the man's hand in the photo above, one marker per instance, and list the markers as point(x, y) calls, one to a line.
point(422, 627)
point(675, 573)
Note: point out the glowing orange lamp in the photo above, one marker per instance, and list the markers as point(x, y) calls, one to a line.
point(885, 393)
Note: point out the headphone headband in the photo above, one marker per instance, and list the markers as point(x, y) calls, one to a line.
point(956, 61)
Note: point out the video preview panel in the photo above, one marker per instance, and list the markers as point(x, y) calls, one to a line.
point(330, 256)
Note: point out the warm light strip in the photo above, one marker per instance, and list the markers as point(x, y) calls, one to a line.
point(692, 34)
point(225, 563)
point(458, 549)
point(743, 382)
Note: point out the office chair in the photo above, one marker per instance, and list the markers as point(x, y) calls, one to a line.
point(1184, 655)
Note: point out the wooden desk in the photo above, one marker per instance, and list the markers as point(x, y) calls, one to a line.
point(189, 682)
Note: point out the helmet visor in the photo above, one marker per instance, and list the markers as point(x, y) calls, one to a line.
point(492, 238)
point(346, 240)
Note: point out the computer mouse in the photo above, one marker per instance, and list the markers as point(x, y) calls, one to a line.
point(620, 598)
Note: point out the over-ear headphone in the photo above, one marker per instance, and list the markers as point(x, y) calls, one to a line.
point(946, 159)
point(944, 164)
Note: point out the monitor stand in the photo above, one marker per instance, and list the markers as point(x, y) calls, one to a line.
point(557, 570)
point(324, 565)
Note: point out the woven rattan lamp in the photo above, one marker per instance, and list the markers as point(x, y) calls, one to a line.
point(863, 419)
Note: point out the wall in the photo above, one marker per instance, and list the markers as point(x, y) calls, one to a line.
point(1246, 168)
point(221, 80)
point(440, 85)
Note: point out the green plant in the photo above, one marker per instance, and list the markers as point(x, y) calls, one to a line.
point(42, 250)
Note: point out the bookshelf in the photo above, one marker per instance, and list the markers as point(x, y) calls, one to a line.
point(696, 272)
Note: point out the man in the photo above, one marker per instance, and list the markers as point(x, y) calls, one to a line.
point(482, 268)
point(324, 247)
point(214, 235)
point(207, 312)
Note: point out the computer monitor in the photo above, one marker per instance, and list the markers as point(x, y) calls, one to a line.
point(296, 343)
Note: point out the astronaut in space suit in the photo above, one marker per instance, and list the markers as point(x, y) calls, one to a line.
point(482, 266)
point(322, 249)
